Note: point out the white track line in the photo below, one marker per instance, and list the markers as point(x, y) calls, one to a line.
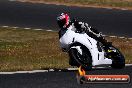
point(121, 37)
point(129, 38)
point(55, 31)
point(128, 64)
point(51, 70)
point(38, 29)
point(112, 36)
point(72, 69)
point(124, 9)
point(49, 30)
point(35, 71)
point(27, 28)
point(5, 26)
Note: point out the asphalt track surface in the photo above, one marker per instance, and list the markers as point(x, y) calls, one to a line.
point(110, 22)
point(63, 79)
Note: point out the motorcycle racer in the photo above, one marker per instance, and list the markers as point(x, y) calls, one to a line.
point(64, 23)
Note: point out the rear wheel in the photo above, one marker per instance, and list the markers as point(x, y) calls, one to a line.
point(83, 60)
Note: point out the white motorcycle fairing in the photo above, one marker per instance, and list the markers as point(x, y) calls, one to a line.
point(70, 37)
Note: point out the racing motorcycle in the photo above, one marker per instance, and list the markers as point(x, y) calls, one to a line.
point(85, 51)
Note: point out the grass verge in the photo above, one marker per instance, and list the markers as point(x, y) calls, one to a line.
point(30, 50)
point(98, 3)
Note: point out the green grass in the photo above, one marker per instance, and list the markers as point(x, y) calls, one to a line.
point(100, 3)
point(30, 50)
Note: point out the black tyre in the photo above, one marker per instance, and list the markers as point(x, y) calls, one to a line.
point(118, 60)
point(83, 60)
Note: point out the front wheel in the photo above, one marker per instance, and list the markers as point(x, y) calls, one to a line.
point(118, 60)
point(83, 60)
